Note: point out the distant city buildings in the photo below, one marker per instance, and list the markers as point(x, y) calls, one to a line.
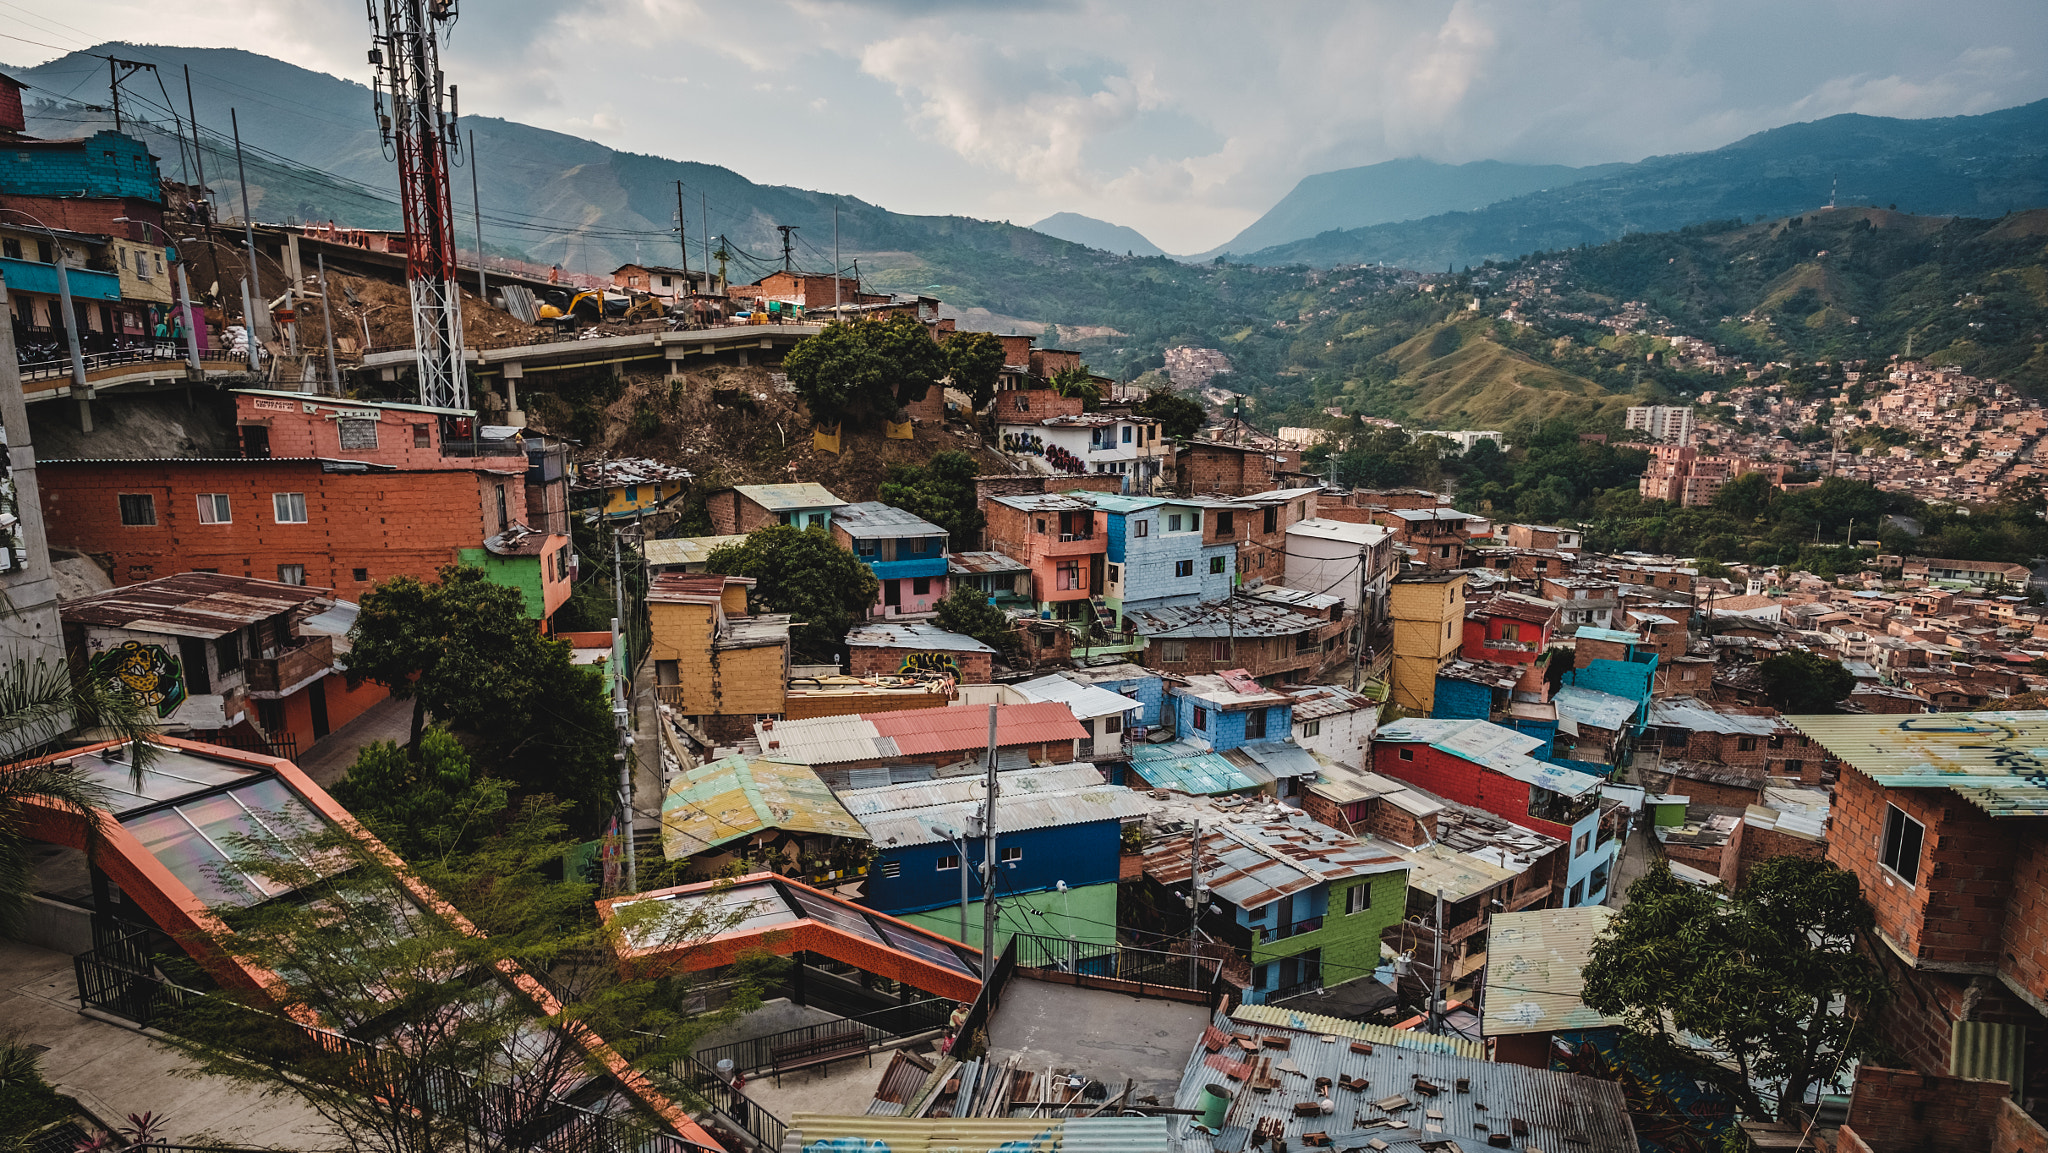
point(1669, 423)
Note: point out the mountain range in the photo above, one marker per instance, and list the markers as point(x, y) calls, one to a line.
point(1098, 234)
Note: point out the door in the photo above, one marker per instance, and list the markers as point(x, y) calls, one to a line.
point(316, 696)
point(192, 654)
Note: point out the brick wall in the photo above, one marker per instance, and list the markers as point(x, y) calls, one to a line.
point(1900, 1111)
point(877, 661)
point(293, 431)
point(1032, 405)
point(2012, 1131)
point(384, 523)
point(1954, 912)
point(1590, 649)
point(1259, 656)
point(1716, 793)
point(2026, 917)
point(1750, 844)
point(1207, 468)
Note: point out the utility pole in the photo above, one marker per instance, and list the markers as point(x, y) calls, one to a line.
point(248, 226)
point(682, 236)
point(704, 206)
point(785, 230)
point(835, 261)
point(249, 328)
point(988, 849)
point(476, 207)
point(1195, 906)
point(114, 86)
point(622, 708)
point(199, 165)
point(192, 321)
point(960, 844)
point(327, 326)
point(1436, 970)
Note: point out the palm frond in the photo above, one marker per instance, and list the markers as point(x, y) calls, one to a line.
point(41, 702)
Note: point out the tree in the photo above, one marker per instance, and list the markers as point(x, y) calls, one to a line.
point(425, 808)
point(967, 611)
point(458, 1048)
point(40, 703)
point(974, 362)
point(1746, 497)
point(804, 573)
point(1800, 681)
point(1755, 976)
point(1078, 382)
point(941, 491)
point(1182, 416)
point(866, 370)
point(462, 649)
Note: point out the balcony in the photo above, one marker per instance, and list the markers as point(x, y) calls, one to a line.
point(272, 677)
point(1071, 544)
point(912, 565)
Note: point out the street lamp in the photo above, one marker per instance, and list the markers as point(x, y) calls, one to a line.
point(64, 298)
point(184, 295)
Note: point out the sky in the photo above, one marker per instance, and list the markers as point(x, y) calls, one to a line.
point(1184, 120)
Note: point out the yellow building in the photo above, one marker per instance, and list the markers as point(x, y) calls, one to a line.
point(627, 486)
point(718, 666)
point(1429, 625)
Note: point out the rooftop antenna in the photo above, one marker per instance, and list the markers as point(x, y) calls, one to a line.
point(420, 130)
point(1834, 186)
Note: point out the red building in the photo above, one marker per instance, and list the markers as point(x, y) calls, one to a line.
point(1512, 629)
point(1064, 540)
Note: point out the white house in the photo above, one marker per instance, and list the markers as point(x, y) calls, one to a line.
point(1353, 561)
point(1093, 442)
point(1334, 722)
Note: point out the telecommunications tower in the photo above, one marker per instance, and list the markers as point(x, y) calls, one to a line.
point(419, 126)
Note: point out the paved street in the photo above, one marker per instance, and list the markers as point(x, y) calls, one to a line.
point(330, 757)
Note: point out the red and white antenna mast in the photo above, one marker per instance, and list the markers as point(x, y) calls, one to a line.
point(420, 127)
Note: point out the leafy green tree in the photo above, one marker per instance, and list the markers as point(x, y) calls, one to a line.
point(1746, 496)
point(804, 573)
point(425, 808)
point(863, 372)
point(1755, 977)
point(1800, 681)
point(974, 362)
point(941, 491)
point(967, 611)
point(1182, 416)
point(462, 649)
point(40, 703)
point(457, 1047)
point(1078, 382)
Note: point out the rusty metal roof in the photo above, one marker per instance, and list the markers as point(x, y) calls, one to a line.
point(1313, 702)
point(1238, 617)
point(1252, 863)
point(1490, 673)
point(1516, 606)
point(740, 796)
point(193, 604)
point(920, 635)
point(1534, 962)
point(979, 563)
point(916, 732)
point(625, 471)
point(1997, 761)
point(872, 518)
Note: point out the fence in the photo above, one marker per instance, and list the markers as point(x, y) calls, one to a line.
point(118, 978)
point(759, 1123)
point(94, 361)
point(880, 1027)
point(285, 747)
point(1146, 968)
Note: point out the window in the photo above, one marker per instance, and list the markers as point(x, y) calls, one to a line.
point(421, 438)
point(892, 869)
point(1745, 744)
point(1578, 894)
point(1580, 846)
point(289, 506)
point(1901, 844)
point(1407, 754)
point(1183, 568)
point(142, 264)
point(1219, 649)
point(1255, 725)
point(1357, 899)
point(213, 508)
point(1114, 572)
point(1271, 520)
point(362, 575)
point(1311, 728)
point(949, 862)
point(1173, 522)
point(1068, 576)
point(1215, 565)
point(1011, 856)
point(1173, 652)
point(1113, 724)
point(1041, 526)
point(1127, 434)
point(10, 248)
point(1225, 523)
point(920, 586)
point(504, 522)
point(291, 574)
point(357, 434)
point(227, 651)
point(1201, 718)
point(1141, 528)
point(45, 253)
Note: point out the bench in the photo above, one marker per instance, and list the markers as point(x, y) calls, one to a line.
point(818, 1052)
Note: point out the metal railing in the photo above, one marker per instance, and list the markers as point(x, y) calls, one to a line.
point(758, 1123)
point(94, 361)
point(880, 1027)
point(118, 978)
point(1113, 962)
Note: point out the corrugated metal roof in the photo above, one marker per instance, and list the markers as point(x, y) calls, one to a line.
point(1320, 1024)
point(626, 471)
point(981, 563)
point(1490, 673)
point(1280, 757)
point(1517, 606)
point(825, 740)
point(1483, 743)
point(820, 1133)
point(1998, 761)
point(1313, 702)
point(1562, 1113)
point(1015, 814)
point(1239, 617)
point(686, 550)
point(1235, 689)
point(911, 635)
point(1592, 707)
point(1253, 862)
point(1189, 768)
point(739, 796)
point(872, 518)
point(947, 790)
point(1615, 635)
point(1698, 716)
point(1533, 970)
point(789, 497)
point(1363, 535)
point(956, 727)
point(1084, 701)
point(1316, 602)
point(193, 604)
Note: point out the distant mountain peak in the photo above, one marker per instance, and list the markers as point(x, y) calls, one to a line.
point(1116, 238)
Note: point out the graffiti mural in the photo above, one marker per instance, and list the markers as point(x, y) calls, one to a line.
point(930, 662)
point(147, 671)
point(1026, 443)
point(1063, 460)
point(1671, 1114)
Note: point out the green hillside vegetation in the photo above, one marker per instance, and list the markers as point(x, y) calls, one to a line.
point(1479, 383)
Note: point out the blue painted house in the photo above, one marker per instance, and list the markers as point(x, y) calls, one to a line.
point(1156, 557)
point(1125, 679)
point(906, 553)
point(1212, 713)
point(1058, 841)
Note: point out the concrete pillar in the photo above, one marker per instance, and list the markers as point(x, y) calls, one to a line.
point(743, 358)
point(514, 415)
point(675, 355)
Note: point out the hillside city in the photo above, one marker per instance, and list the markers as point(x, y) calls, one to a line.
point(456, 702)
